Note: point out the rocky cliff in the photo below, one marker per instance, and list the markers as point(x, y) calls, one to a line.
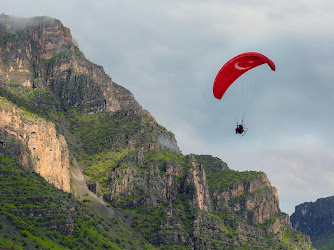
point(316, 220)
point(38, 53)
point(38, 146)
point(168, 199)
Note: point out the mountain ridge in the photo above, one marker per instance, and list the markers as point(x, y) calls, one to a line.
point(316, 220)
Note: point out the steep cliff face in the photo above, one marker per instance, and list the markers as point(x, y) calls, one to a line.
point(128, 159)
point(26, 41)
point(251, 203)
point(42, 70)
point(316, 219)
point(198, 178)
point(42, 150)
point(150, 181)
point(188, 208)
point(38, 53)
point(256, 198)
point(249, 194)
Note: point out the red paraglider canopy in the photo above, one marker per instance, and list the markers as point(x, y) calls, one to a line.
point(235, 67)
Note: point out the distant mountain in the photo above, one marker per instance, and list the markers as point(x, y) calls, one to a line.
point(316, 219)
point(84, 166)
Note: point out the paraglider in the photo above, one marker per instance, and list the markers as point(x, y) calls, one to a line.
point(241, 128)
point(232, 70)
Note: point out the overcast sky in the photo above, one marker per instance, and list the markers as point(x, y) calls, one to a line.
point(167, 53)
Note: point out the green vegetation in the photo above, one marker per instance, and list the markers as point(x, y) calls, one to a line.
point(220, 177)
point(147, 220)
point(36, 103)
point(249, 194)
point(77, 51)
point(268, 223)
point(6, 105)
point(109, 131)
point(53, 59)
point(160, 157)
point(221, 180)
point(323, 241)
point(35, 213)
point(14, 83)
point(101, 142)
point(175, 247)
point(99, 165)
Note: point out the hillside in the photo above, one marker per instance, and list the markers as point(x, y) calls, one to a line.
point(34, 214)
point(316, 220)
point(113, 172)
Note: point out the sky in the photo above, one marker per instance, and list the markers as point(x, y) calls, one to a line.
point(168, 53)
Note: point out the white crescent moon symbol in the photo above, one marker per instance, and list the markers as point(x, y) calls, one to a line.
point(241, 68)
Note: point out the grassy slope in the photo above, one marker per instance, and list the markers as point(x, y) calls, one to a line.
point(30, 207)
point(323, 242)
point(220, 178)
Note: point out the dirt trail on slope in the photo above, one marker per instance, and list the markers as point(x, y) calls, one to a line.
point(80, 188)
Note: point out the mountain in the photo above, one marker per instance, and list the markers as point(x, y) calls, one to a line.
point(316, 220)
point(84, 166)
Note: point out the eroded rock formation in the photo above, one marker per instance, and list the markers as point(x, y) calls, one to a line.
point(42, 150)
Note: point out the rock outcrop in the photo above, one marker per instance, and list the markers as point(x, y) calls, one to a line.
point(191, 207)
point(42, 149)
point(39, 53)
point(201, 197)
point(256, 198)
